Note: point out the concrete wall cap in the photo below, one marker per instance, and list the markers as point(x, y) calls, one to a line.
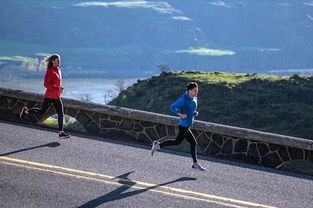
point(232, 131)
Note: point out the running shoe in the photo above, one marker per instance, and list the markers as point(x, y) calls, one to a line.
point(155, 147)
point(23, 112)
point(197, 166)
point(64, 135)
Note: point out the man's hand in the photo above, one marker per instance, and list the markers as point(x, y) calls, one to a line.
point(182, 115)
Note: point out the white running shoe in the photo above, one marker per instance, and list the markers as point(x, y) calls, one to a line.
point(155, 147)
point(197, 166)
point(23, 112)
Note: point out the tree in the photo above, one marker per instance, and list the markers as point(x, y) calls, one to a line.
point(120, 85)
point(86, 97)
point(109, 95)
point(164, 68)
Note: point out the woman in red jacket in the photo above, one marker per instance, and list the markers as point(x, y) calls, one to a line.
point(53, 83)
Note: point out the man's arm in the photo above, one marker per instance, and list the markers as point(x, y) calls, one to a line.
point(176, 107)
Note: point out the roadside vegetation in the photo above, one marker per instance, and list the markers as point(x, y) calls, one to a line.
point(69, 123)
point(277, 104)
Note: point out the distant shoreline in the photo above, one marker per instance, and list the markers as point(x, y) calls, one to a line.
point(97, 90)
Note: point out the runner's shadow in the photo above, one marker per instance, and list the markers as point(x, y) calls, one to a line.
point(51, 144)
point(127, 184)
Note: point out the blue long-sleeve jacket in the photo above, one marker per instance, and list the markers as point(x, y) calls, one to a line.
point(185, 105)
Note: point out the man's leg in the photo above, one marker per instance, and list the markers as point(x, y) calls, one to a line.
point(193, 145)
point(193, 149)
point(180, 137)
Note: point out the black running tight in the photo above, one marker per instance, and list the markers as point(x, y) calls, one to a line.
point(184, 132)
point(58, 105)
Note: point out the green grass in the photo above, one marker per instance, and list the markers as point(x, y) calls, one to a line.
point(232, 78)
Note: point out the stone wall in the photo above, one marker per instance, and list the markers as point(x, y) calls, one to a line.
point(213, 139)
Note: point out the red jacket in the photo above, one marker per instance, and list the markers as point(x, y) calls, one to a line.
point(53, 82)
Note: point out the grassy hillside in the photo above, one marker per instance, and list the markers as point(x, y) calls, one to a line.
point(278, 104)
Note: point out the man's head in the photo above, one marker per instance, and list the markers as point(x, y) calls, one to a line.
point(192, 88)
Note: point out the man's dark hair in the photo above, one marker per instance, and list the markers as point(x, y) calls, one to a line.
point(191, 85)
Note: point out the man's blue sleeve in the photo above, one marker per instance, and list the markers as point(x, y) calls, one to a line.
point(177, 105)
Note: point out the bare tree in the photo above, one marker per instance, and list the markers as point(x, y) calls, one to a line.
point(86, 97)
point(164, 68)
point(120, 84)
point(109, 95)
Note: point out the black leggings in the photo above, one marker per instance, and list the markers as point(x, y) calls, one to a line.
point(184, 132)
point(58, 106)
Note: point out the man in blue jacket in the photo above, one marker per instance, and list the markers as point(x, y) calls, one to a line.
point(185, 107)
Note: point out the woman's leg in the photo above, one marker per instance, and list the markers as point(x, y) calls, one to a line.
point(58, 105)
point(42, 110)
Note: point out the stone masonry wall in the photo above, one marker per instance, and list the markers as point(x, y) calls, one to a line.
point(213, 139)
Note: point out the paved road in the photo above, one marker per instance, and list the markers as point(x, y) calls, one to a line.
point(39, 170)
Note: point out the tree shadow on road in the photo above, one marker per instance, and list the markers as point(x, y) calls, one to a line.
point(51, 144)
point(126, 183)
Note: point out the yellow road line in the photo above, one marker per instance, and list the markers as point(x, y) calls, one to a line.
point(116, 183)
point(147, 185)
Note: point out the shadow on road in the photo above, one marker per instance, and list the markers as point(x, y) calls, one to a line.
point(215, 159)
point(136, 144)
point(51, 144)
point(126, 184)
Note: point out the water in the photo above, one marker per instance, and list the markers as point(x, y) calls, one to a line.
point(95, 90)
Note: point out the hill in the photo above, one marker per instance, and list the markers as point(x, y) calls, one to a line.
point(129, 38)
point(278, 104)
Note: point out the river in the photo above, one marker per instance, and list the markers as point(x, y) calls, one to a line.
point(95, 90)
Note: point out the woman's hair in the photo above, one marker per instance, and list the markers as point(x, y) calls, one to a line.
point(51, 58)
point(191, 85)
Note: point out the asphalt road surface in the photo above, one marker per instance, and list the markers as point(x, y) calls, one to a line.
point(39, 170)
